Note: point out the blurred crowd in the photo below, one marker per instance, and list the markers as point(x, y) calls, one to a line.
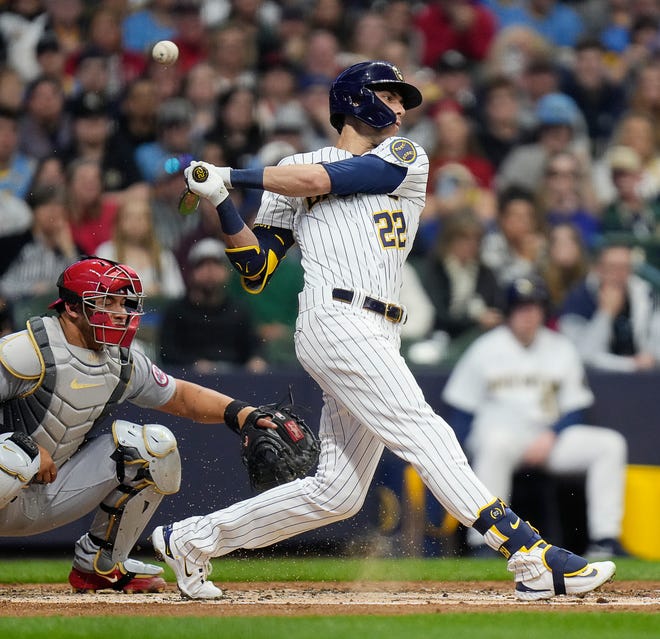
point(540, 119)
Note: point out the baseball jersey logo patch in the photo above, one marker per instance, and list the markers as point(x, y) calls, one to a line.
point(404, 150)
point(159, 376)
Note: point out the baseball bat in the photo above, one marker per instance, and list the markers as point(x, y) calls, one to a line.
point(189, 201)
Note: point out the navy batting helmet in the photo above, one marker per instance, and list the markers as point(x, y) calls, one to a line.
point(352, 93)
point(526, 290)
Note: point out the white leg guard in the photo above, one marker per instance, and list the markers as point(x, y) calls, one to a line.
point(149, 467)
point(19, 463)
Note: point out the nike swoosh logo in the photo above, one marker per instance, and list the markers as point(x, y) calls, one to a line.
point(185, 568)
point(76, 385)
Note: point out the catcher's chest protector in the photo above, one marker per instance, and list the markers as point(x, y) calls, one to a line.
point(75, 388)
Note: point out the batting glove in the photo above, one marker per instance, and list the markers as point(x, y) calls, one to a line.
point(213, 187)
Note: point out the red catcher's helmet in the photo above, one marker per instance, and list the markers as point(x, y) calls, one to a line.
point(90, 281)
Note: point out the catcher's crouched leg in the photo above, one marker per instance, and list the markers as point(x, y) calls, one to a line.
point(148, 467)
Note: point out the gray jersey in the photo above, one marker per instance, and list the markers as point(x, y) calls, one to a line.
point(361, 241)
point(56, 391)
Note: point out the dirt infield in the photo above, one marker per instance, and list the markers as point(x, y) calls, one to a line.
point(320, 598)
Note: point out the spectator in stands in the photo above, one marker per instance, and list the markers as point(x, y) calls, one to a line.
point(557, 127)
point(12, 88)
point(314, 101)
point(455, 81)
point(52, 61)
point(331, 16)
point(630, 212)
point(463, 290)
point(566, 195)
point(123, 65)
point(16, 167)
point(136, 122)
point(134, 242)
point(91, 211)
point(48, 248)
point(558, 23)
point(322, 56)
point(174, 139)
point(456, 142)
point(612, 315)
point(66, 20)
point(49, 171)
point(233, 55)
point(208, 329)
point(199, 88)
point(500, 128)
point(513, 52)
point(645, 95)
point(516, 247)
point(192, 37)
point(564, 267)
point(637, 131)
point(141, 29)
point(454, 189)
point(237, 129)
point(44, 127)
point(519, 397)
point(94, 139)
point(601, 100)
point(462, 25)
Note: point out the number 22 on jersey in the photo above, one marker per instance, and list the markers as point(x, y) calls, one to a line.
point(391, 226)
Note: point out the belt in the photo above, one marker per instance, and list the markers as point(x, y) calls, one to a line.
point(391, 312)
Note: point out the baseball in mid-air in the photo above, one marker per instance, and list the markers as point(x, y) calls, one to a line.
point(165, 52)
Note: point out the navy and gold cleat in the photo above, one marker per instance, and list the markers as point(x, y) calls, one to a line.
point(545, 571)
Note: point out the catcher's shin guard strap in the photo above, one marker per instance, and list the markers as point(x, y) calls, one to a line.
point(503, 530)
point(231, 414)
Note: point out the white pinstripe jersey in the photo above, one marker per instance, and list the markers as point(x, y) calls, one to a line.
point(358, 241)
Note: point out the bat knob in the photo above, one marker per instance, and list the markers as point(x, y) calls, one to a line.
point(200, 174)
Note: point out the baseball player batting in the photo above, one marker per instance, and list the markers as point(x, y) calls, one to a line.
point(354, 209)
point(59, 378)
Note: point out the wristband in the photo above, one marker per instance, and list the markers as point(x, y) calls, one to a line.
point(248, 178)
point(231, 414)
point(26, 443)
point(230, 220)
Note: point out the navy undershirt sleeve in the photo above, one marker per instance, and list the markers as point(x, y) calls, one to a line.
point(364, 174)
point(568, 419)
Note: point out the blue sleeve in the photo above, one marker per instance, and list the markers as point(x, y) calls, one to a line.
point(364, 174)
point(568, 419)
point(461, 422)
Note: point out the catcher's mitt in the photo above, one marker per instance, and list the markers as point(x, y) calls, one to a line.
point(279, 455)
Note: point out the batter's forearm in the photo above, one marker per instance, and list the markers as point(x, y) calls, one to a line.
point(291, 180)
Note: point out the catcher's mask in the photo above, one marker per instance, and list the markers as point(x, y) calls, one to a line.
point(353, 93)
point(91, 282)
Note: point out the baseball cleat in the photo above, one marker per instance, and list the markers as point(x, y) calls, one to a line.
point(545, 571)
point(130, 576)
point(191, 576)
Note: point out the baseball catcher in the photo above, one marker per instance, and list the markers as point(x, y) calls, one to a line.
point(274, 456)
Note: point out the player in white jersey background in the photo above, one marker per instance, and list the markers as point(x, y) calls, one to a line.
point(520, 395)
point(354, 210)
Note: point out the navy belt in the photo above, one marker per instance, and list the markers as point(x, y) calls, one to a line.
point(391, 312)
